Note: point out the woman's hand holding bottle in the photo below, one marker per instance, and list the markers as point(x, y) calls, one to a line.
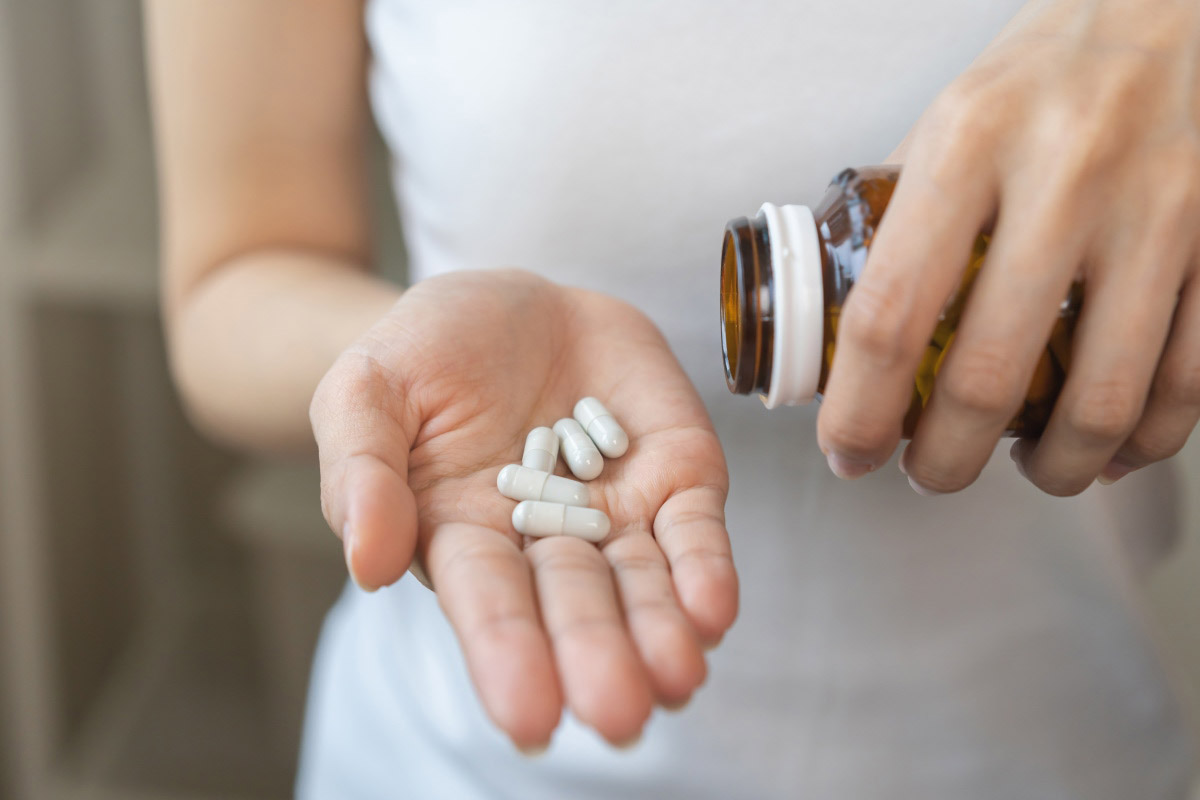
point(1076, 138)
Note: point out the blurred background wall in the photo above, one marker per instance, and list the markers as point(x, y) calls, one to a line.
point(159, 598)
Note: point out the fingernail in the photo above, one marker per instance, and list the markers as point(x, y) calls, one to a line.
point(348, 545)
point(629, 744)
point(419, 573)
point(678, 705)
point(1016, 453)
point(533, 750)
point(847, 468)
point(921, 490)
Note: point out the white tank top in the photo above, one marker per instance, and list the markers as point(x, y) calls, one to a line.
point(984, 645)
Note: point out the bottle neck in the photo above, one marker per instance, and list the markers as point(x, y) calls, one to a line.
point(747, 305)
point(773, 305)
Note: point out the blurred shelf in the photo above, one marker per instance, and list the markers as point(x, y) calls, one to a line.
point(97, 244)
point(176, 694)
point(182, 719)
point(277, 506)
point(206, 702)
point(273, 510)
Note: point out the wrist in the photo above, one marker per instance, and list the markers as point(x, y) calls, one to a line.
point(249, 344)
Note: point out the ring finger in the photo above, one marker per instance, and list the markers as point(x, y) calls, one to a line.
point(668, 645)
point(1128, 304)
point(1173, 408)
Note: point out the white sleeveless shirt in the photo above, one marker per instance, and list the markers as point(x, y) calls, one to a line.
point(988, 644)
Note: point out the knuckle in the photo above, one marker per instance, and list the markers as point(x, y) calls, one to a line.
point(1078, 148)
point(965, 120)
point(1104, 411)
point(966, 107)
point(359, 376)
point(981, 379)
point(874, 322)
point(1099, 142)
point(1082, 135)
point(575, 557)
point(1125, 85)
point(357, 382)
point(497, 624)
point(466, 562)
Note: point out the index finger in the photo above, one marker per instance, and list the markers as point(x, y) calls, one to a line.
point(943, 199)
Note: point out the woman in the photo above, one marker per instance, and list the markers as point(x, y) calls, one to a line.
point(980, 645)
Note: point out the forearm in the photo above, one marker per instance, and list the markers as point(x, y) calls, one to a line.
point(250, 342)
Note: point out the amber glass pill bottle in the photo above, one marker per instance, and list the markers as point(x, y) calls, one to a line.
point(786, 273)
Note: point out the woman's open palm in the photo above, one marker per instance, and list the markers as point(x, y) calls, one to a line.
point(415, 421)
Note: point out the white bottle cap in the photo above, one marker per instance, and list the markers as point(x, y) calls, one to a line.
point(799, 305)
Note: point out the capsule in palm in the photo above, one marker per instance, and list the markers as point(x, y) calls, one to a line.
point(523, 483)
point(541, 450)
point(539, 518)
point(578, 450)
point(601, 427)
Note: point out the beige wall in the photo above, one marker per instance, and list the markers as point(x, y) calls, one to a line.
point(159, 597)
point(47, 133)
point(6, 720)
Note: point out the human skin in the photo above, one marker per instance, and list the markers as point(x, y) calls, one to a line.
point(414, 423)
point(1075, 138)
point(278, 334)
point(416, 399)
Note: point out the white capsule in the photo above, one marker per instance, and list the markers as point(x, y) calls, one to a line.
point(601, 427)
point(541, 450)
point(522, 483)
point(537, 518)
point(577, 449)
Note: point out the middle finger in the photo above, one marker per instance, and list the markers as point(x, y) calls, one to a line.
point(602, 676)
point(1031, 262)
point(484, 585)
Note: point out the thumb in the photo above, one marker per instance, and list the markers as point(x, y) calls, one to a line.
point(364, 438)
